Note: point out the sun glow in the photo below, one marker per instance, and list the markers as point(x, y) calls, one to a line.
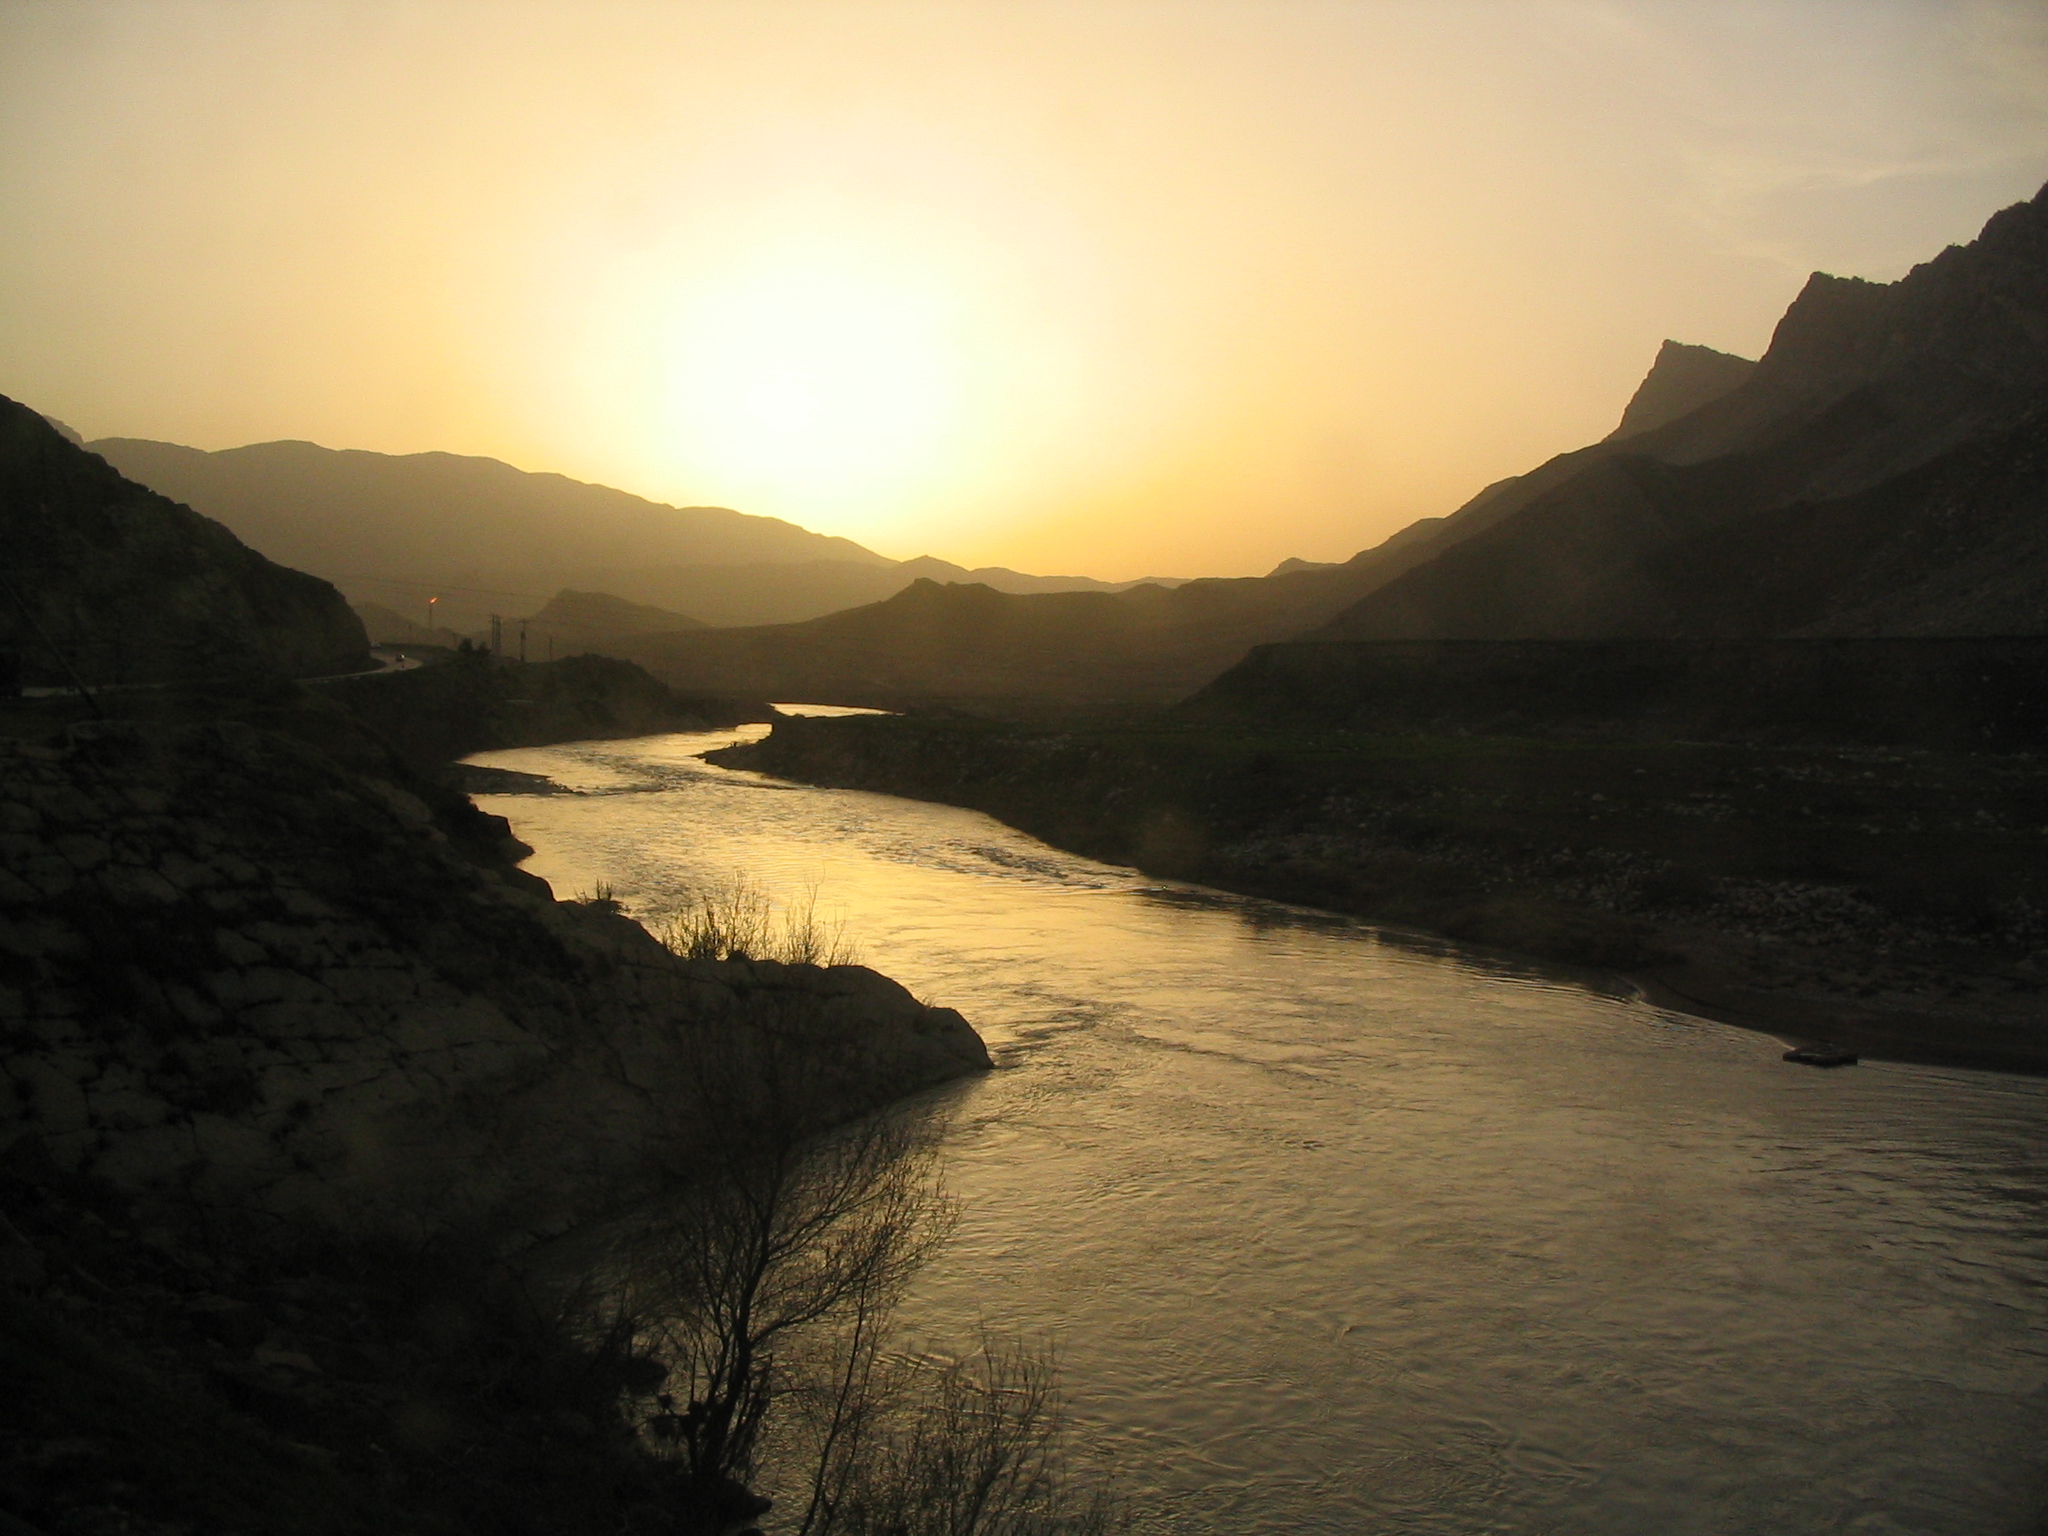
point(859, 372)
point(814, 374)
point(1077, 285)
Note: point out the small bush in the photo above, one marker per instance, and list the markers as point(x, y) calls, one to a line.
point(602, 900)
point(738, 921)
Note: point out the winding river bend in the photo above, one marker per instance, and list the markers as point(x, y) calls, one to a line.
point(1343, 1234)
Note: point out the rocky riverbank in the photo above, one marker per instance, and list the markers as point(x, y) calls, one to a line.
point(1892, 901)
point(296, 1057)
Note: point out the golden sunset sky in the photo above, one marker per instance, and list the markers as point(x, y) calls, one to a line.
point(1112, 288)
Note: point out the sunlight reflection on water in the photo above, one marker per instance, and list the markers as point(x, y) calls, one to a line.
point(1338, 1233)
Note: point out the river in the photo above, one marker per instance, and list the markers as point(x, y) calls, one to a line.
point(1344, 1232)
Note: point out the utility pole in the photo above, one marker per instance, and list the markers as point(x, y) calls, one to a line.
point(497, 636)
point(522, 640)
point(430, 616)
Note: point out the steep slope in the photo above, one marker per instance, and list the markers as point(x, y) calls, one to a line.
point(122, 585)
point(1879, 469)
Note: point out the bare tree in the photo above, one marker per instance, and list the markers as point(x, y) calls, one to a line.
point(773, 1280)
point(790, 1228)
point(974, 1447)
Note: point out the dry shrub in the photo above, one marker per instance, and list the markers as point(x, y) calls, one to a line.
point(737, 920)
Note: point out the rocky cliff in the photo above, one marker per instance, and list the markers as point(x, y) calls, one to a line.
point(117, 584)
point(1681, 380)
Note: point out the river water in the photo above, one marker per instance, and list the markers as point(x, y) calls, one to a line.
point(1338, 1232)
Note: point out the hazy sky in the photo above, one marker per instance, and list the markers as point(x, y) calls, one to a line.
point(1117, 288)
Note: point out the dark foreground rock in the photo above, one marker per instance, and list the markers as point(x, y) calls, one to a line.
point(241, 974)
point(297, 1062)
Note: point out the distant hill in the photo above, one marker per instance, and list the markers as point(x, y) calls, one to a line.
point(1883, 470)
point(970, 644)
point(483, 537)
point(573, 623)
point(601, 613)
point(122, 585)
point(483, 530)
point(387, 626)
point(762, 593)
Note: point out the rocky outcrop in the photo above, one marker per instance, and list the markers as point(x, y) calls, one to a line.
point(116, 584)
point(237, 974)
point(1681, 380)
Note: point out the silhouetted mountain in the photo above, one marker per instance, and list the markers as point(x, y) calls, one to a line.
point(762, 593)
point(1680, 381)
point(601, 613)
point(387, 626)
point(945, 640)
point(385, 526)
point(126, 586)
point(484, 537)
point(1003, 579)
point(1880, 471)
point(69, 434)
point(972, 644)
point(587, 622)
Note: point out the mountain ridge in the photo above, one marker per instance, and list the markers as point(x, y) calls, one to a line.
point(1891, 402)
point(483, 535)
point(111, 583)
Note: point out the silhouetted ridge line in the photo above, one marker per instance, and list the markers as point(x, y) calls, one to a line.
point(115, 584)
point(1880, 470)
